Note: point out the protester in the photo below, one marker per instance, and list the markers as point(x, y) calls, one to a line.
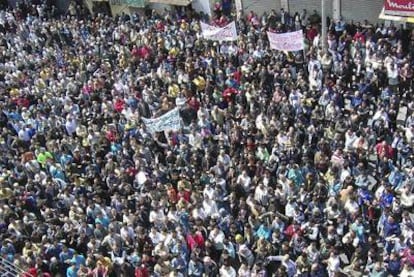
point(285, 164)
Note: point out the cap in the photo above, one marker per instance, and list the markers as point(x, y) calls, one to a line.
point(239, 238)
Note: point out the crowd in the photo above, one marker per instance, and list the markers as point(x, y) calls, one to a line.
point(287, 164)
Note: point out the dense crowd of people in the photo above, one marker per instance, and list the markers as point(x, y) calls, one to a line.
point(287, 164)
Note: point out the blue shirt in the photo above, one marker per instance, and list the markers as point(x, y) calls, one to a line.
point(78, 260)
point(394, 267)
point(356, 101)
point(263, 232)
point(386, 199)
point(104, 221)
point(364, 195)
point(63, 256)
point(396, 178)
point(391, 229)
point(195, 268)
point(71, 272)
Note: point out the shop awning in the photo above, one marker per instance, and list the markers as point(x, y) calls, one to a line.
point(385, 16)
point(172, 2)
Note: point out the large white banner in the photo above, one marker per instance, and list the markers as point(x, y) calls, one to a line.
point(292, 41)
point(226, 33)
point(170, 121)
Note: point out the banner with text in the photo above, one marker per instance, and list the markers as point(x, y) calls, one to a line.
point(170, 121)
point(292, 41)
point(226, 33)
point(399, 7)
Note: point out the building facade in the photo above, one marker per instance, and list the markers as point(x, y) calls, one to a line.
point(357, 10)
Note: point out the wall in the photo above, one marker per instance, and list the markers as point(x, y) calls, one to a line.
point(310, 6)
point(359, 10)
point(260, 6)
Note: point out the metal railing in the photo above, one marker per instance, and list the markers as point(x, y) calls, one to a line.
point(8, 269)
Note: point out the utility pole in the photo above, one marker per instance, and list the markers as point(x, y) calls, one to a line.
point(323, 22)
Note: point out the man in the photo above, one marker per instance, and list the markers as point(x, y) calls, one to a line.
point(227, 271)
point(286, 262)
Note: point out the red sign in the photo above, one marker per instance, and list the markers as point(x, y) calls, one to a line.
point(399, 7)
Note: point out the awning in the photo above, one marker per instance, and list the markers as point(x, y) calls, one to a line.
point(384, 16)
point(172, 2)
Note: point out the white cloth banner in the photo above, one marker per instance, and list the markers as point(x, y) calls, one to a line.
point(226, 33)
point(292, 41)
point(170, 121)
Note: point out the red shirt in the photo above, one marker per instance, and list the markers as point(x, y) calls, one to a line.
point(172, 195)
point(292, 230)
point(87, 89)
point(384, 150)
point(119, 105)
point(359, 37)
point(228, 94)
point(144, 52)
point(191, 242)
point(22, 102)
point(408, 257)
point(184, 194)
point(160, 26)
point(135, 52)
point(199, 239)
point(311, 34)
point(32, 272)
point(111, 136)
point(141, 272)
point(237, 76)
point(194, 104)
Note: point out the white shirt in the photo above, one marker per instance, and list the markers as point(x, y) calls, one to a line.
point(157, 216)
point(334, 264)
point(71, 126)
point(210, 207)
point(407, 272)
point(217, 238)
point(127, 233)
point(350, 138)
point(244, 251)
point(244, 272)
point(227, 271)
point(351, 206)
point(155, 237)
point(208, 192)
point(261, 195)
point(24, 134)
point(244, 181)
point(290, 209)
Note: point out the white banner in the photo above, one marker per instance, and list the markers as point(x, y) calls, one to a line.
point(168, 121)
point(227, 33)
point(292, 41)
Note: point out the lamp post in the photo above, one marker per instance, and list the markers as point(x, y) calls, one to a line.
point(323, 22)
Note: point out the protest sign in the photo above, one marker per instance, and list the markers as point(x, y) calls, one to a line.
point(226, 33)
point(168, 121)
point(292, 41)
